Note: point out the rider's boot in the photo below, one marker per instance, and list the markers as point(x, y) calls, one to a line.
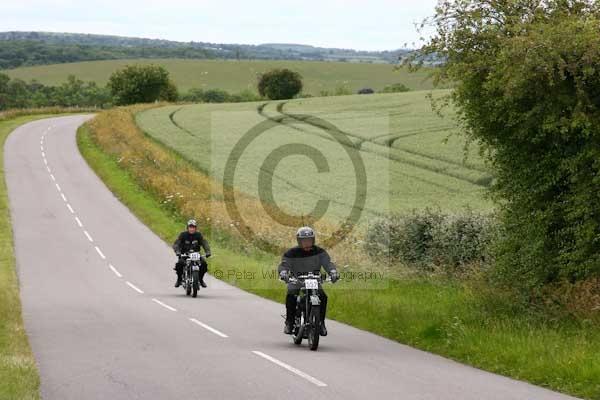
point(289, 327)
point(202, 283)
point(323, 331)
point(178, 283)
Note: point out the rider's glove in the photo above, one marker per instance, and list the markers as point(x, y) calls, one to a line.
point(334, 275)
point(284, 275)
point(208, 255)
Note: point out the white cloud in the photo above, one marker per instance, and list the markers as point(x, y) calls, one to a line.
point(373, 24)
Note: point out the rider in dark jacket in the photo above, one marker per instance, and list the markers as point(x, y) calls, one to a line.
point(302, 259)
point(190, 240)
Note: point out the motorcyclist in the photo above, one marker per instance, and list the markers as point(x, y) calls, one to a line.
point(190, 240)
point(304, 258)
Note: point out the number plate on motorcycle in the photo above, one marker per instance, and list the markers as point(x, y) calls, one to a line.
point(195, 268)
point(195, 256)
point(311, 284)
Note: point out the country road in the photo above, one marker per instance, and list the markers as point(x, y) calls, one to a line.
point(105, 322)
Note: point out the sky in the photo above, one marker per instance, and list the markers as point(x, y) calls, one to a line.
point(364, 25)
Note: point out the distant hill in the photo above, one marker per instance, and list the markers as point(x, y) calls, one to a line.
point(40, 48)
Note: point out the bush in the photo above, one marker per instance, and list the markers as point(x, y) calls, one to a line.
point(280, 84)
point(366, 91)
point(141, 84)
point(430, 239)
point(218, 96)
point(395, 88)
point(527, 87)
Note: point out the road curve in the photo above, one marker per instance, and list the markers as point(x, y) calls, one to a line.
point(105, 323)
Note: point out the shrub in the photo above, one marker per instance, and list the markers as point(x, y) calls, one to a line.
point(366, 91)
point(395, 88)
point(280, 84)
point(141, 84)
point(430, 239)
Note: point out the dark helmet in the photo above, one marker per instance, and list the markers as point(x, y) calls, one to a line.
point(305, 233)
point(192, 222)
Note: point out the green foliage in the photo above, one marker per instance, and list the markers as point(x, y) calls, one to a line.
point(431, 239)
point(17, 53)
point(141, 84)
point(15, 93)
point(218, 96)
point(528, 90)
point(280, 84)
point(396, 88)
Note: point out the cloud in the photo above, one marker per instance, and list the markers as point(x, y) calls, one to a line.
point(376, 24)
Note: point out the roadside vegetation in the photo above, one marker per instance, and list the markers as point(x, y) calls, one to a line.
point(465, 319)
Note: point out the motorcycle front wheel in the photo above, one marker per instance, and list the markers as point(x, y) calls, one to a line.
point(195, 283)
point(314, 323)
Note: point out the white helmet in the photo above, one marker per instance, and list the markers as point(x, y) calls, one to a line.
point(305, 232)
point(192, 222)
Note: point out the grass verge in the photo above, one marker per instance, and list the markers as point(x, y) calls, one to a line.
point(19, 378)
point(466, 322)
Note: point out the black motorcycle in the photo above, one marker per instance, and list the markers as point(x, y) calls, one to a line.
point(191, 273)
point(307, 321)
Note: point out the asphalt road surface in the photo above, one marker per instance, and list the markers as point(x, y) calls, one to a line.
point(105, 322)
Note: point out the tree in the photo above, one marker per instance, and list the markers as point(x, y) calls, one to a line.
point(141, 84)
point(527, 88)
point(4, 79)
point(280, 84)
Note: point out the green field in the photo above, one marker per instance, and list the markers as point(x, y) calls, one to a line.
point(400, 140)
point(235, 76)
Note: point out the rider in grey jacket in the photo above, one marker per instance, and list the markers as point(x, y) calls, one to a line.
point(304, 258)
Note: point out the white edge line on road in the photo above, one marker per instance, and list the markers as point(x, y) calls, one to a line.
point(70, 208)
point(48, 168)
point(52, 176)
point(63, 197)
point(43, 154)
point(209, 328)
point(45, 161)
point(100, 252)
point(137, 289)
point(113, 269)
point(79, 222)
point(88, 236)
point(290, 368)
point(58, 187)
point(168, 307)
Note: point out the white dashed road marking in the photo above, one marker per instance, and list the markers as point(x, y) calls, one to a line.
point(291, 369)
point(168, 307)
point(88, 236)
point(100, 253)
point(137, 289)
point(113, 269)
point(209, 328)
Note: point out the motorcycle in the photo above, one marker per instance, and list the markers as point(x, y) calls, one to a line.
point(307, 321)
point(191, 273)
